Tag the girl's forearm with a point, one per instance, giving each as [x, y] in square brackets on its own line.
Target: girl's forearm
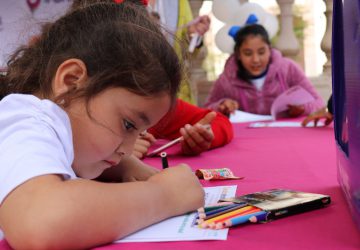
[66, 214]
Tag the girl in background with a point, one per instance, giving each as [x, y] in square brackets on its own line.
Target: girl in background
[255, 74]
[75, 102]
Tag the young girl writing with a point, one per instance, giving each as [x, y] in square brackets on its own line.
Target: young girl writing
[255, 75]
[75, 102]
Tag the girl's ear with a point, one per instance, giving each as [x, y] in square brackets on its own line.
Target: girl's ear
[70, 75]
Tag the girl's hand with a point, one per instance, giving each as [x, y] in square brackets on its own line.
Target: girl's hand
[228, 106]
[199, 25]
[197, 138]
[142, 145]
[318, 115]
[129, 169]
[181, 187]
[295, 110]
[136, 170]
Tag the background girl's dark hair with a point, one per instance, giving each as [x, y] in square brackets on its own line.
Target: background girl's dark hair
[241, 35]
[119, 44]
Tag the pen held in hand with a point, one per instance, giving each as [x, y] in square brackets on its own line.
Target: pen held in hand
[171, 143]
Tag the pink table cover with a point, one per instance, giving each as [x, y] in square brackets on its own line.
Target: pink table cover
[302, 159]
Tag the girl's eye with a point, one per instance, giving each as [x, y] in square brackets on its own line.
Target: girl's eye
[247, 53]
[128, 125]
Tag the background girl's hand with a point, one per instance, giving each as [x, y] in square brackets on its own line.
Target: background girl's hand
[181, 187]
[318, 115]
[199, 25]
[295, 110]
[142, 144]
[228, 106]
[197, 138]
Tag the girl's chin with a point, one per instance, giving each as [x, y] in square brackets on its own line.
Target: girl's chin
[94, 171]
[256, 72]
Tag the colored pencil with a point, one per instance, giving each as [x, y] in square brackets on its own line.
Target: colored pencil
[241, 219]
[171, 143]
[237, 211]
[208, 209]
[252, 210]
[258, 218]
[220, 211]
[219, 223]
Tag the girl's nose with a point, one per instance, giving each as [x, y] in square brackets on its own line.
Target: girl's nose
[126, 147]
[256, 58]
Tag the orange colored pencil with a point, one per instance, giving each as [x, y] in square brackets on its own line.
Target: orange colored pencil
[219, 224]
[252, 210]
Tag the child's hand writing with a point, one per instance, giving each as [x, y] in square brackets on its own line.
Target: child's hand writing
[197, 138]
[142, 144]
[228, 106]
[181, 187]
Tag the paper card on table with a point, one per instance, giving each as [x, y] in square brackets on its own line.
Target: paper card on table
[283, 124]
[293, 96]
[181, 228]
[241, 116]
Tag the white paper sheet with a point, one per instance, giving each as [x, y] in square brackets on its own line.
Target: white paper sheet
[282, 124]
[181, 228]
[240, 116]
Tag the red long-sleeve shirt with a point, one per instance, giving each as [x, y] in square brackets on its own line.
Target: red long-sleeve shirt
[185, 113]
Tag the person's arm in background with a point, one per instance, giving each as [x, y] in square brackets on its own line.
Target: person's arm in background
[186, 113]
[186, 120]
[325, 113]
[296, 76]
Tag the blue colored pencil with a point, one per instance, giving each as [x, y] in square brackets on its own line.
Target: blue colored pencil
[218, 211]
[258, 218]
[241, 219]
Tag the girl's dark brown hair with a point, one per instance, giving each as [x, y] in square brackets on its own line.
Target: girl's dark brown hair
[119, 44]
[76, 4]
[240, 37]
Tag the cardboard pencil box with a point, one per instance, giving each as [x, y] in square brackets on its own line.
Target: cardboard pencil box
[282, 202]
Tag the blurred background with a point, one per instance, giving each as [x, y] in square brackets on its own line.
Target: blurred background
[303, 34]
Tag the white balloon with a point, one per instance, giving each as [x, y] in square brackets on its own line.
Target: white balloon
[271, 24]
[224, 10]
[245, 10]
[223, 41]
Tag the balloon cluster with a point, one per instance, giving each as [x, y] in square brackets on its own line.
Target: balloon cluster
[233, 13]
